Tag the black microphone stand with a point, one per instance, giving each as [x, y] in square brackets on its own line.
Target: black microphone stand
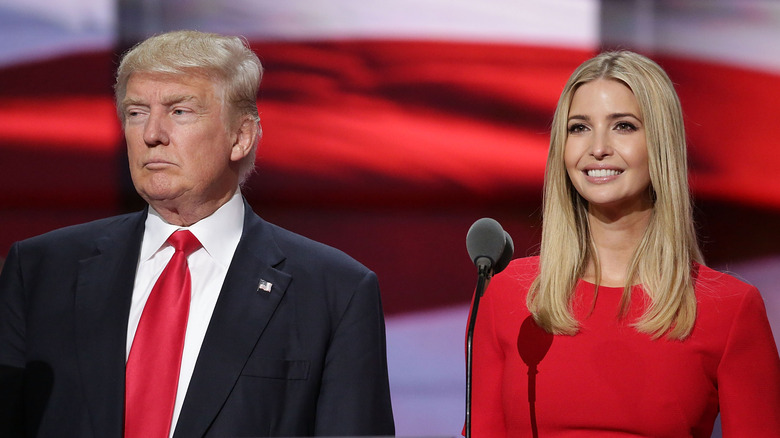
[485, 272]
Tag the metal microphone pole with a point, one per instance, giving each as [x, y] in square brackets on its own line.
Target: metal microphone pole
[484, 275]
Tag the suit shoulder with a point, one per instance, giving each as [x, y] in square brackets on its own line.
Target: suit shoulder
[305, 250]
[83, 233]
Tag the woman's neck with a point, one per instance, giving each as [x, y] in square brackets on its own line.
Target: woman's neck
[615, 239]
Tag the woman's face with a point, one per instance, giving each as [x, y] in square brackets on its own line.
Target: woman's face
[606, 148]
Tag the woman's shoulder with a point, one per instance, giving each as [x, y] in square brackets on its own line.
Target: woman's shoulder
[531, 263]
[526, 268]
[724, 298]
[711, 284]
[506, 293]
[517, 277]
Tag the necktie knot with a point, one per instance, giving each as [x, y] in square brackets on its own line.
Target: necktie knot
[185, 241]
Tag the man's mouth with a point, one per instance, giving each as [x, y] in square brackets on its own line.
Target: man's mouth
[157, 164]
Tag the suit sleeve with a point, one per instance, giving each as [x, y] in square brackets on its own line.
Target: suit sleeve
[749, 374]
[12, 356]
[355, 392]
[487, 414]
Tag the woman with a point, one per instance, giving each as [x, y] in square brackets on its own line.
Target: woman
[617, 328]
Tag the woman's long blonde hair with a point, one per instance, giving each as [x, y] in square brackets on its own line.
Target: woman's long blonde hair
[663, 259]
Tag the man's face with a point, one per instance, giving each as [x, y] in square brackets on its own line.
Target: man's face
[180, 150]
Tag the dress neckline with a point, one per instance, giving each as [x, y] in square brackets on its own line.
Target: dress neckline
[602, 287]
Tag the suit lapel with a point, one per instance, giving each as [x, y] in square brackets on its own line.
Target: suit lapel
[242, 312]
[102, 303]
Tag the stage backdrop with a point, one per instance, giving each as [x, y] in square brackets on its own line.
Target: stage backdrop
[389, 127]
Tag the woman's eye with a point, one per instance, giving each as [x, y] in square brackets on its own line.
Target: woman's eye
[576, 128]
[625, 126]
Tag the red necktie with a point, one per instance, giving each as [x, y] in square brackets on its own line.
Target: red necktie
[152, 372]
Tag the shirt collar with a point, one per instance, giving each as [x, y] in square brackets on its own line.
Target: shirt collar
[219, 233]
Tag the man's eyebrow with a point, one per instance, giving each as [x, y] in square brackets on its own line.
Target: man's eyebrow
[179, 98]
[167, 101]
[129, 101]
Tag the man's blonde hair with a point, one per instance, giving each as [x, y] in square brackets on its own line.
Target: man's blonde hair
[227, 60]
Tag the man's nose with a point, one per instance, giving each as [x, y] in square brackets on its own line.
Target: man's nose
[155, 130]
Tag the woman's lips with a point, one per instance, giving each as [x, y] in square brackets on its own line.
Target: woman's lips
[601, 175]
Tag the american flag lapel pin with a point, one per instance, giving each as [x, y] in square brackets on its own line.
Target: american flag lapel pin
[264, 285]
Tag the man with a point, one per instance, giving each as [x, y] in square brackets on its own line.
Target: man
[278, 335]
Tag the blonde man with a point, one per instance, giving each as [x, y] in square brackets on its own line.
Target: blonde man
[193, 317]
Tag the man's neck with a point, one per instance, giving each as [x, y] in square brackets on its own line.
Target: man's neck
[185, 214]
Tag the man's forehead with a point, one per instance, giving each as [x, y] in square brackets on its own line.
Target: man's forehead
[170, 87]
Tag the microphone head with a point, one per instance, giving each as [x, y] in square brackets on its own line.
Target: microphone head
[485, 242]
[506, 255]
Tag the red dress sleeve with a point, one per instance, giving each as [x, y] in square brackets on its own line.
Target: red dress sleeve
[749, 374]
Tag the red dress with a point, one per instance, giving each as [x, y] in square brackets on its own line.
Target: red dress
[610, 380]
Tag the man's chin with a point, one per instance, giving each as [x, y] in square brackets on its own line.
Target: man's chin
[161, 197]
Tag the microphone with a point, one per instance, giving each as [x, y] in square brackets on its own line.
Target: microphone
[489, 246]
[506, 256]
[491, 249]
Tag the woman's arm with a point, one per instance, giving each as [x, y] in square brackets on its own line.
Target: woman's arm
[749, 374]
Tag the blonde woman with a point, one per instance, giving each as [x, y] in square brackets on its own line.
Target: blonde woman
[618, 328]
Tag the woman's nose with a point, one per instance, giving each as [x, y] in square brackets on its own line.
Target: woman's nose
[600, 146]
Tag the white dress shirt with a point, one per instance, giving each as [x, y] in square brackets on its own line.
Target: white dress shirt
[219, 234]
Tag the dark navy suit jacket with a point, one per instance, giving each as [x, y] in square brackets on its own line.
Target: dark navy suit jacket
[306, 358]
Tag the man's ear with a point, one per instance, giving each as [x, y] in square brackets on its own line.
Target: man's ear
[244, 138]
